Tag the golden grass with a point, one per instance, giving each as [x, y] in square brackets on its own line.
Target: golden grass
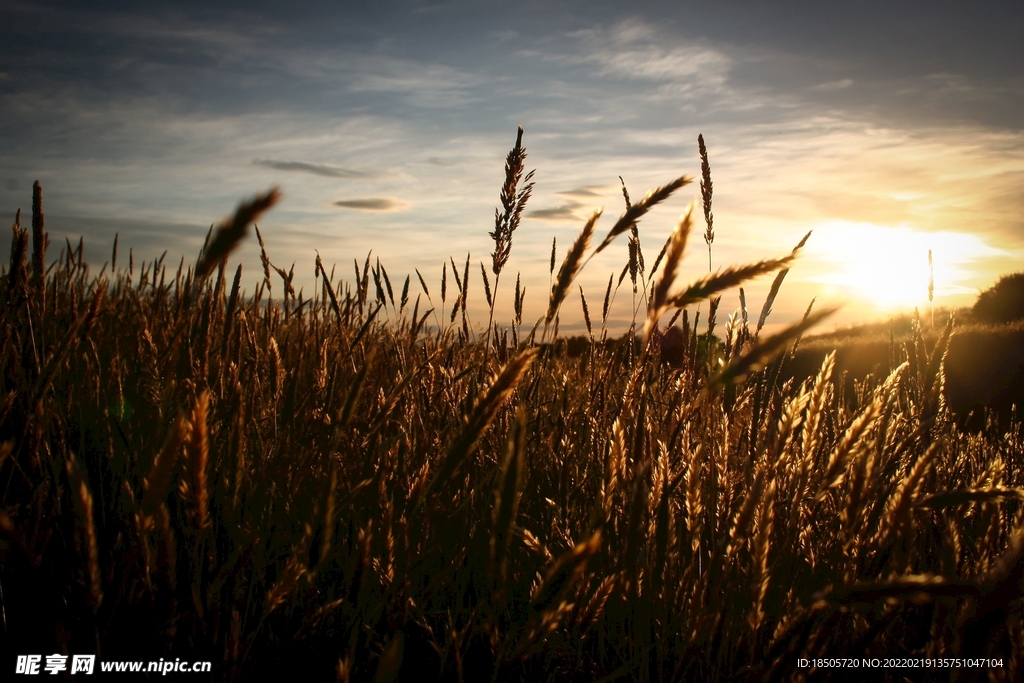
[301, 488]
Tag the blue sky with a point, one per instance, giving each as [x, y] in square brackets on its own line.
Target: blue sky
[887, 129]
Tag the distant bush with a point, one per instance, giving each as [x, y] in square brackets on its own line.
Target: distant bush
[1002, 302]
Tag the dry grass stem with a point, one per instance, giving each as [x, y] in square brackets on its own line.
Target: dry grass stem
[332, 487]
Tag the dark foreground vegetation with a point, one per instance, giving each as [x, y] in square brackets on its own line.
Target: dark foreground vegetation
[296, 489]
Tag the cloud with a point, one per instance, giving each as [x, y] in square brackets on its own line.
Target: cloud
[503, 36]
[949, 83]
[572, 210]
[834, 85]
[372, 204]
[325, 170]
[423, 84]
[584, 192]
[565, 212]
[634, 50]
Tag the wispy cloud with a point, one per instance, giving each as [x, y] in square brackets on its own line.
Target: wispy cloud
[832, 86]
[588, 192]
[565, 212]
[578, 203]
[424, 84]
[325, 170]
[504, 36]
[373, 204]
[636, 51]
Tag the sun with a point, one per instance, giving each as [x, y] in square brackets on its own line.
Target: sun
[887, 267]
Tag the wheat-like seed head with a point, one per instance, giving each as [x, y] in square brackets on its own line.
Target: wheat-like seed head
[289, 578]
[197, 449]
[676, 249]
[570, 267]
[760, 551]
[83, 503]
[754, 357]
[158, 482]
[851, 443]
[231, 232]
[636, 211]
[568, 567]
[40, 240]
[594, 610]
[275, 370]
[89, 534]
[586, 313]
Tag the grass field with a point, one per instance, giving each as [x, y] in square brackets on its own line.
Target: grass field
[293, 488]
[984, 366]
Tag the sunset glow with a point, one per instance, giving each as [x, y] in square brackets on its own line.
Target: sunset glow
[387, 131]
[887, 267]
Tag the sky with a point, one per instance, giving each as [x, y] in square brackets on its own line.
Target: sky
[887, 129]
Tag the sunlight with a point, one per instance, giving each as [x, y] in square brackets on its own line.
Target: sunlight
[887, 266]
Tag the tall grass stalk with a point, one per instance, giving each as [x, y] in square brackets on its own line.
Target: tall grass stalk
[326, 489]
